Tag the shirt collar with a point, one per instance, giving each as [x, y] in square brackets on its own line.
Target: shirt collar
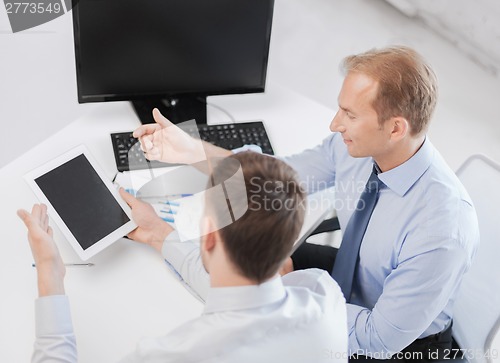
[244, 297]
[401, 178]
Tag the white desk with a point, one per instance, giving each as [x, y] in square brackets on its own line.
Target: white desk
[129, 293]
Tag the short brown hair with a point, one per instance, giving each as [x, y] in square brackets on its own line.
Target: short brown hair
[262, 238]
[407, 85]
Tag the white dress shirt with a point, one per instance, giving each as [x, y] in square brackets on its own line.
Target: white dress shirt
[298, 318]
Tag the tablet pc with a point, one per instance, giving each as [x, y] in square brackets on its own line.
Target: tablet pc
[82, 202]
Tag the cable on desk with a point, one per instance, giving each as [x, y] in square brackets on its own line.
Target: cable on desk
[217, 107]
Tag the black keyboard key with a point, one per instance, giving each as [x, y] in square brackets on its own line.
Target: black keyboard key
[129, 156]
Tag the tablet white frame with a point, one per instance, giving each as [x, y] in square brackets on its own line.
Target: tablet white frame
[105, 241]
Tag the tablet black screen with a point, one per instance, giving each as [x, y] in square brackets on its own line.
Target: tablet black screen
[83, 202]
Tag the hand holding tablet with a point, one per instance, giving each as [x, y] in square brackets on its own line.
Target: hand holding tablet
[82, 202]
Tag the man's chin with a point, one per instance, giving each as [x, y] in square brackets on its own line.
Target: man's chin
[354, 153]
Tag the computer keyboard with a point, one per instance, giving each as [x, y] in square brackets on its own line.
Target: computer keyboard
[129, 156]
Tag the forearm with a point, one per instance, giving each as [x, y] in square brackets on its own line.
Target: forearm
[55, 340]
[364, 333]
[211, 152]
[185, 258]
[160, 234]
[50, 281]
[415, 294]
[315, 167]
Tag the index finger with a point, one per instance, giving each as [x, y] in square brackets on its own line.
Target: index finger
[127, 197]
[146, 130]
[37, 213]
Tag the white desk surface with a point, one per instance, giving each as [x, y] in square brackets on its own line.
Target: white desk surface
[129, 293]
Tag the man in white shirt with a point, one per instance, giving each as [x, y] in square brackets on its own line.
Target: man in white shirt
[251, 314]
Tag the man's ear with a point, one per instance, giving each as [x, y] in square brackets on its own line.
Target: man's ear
[400, 127]
[210, 238]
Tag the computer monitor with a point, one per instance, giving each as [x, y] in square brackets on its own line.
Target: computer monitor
[170, 54]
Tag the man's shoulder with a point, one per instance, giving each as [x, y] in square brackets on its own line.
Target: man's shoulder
[314, 281]
[442, 184]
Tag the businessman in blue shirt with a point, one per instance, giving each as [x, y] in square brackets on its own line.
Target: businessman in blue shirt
[421, 235]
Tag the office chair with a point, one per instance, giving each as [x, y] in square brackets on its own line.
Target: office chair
[476, 321]
[328, 225]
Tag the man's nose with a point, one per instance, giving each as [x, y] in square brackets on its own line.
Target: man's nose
[336, 125]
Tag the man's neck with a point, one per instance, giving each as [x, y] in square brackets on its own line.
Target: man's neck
[232, 279]
[400, 154]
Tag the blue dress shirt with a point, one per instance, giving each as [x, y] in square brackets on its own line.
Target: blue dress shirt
[419, 242]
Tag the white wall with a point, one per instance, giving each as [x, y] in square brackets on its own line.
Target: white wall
[38, 82]
[473, 25]
[311, 37]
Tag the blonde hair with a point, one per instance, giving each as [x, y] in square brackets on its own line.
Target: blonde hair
[407, 85]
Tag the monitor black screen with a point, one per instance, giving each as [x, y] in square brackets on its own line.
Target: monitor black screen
[139, 49]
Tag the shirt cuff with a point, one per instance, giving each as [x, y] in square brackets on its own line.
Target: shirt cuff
[53, 317]
[251, 147]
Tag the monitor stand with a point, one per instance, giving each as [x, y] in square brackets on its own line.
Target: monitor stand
[176, 109]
